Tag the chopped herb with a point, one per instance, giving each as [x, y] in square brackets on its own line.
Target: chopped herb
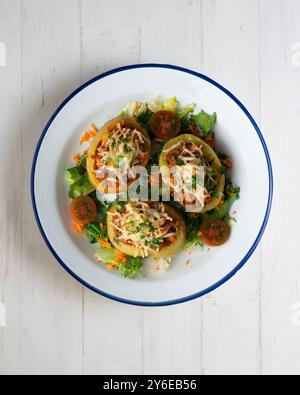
[151, 229]
[157, 242]
[179, 161]
[213, 172]
[116, 143]
[145, 116]
[119, 160]
[128, 149]
[223, 170]
[194, 182]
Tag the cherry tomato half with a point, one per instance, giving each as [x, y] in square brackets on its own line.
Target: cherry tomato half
[83, 210]
[214, 232]
[165, 125]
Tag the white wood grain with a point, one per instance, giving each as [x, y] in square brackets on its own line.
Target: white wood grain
[231, 320]
[281, 119]
[11, 191]
[171, 32]
[51, 301]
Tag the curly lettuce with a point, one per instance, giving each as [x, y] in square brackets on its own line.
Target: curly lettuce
[129, 270]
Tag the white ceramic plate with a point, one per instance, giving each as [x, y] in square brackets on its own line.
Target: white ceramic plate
[100, 100]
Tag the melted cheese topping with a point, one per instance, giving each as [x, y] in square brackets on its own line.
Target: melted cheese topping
[145, 226]
[122, 150]
[188, 168]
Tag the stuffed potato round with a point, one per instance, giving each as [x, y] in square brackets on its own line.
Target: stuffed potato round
[143, 229]
[122, 144]
[188, 150]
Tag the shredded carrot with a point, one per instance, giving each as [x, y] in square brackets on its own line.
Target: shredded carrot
[78, 227]
[110, 266]
[105, 243]
[87, 136]
[76, 158]
[120, 258]
[101, 226]
[94, 129]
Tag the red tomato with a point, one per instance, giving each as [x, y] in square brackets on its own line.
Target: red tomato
[83, 210]
[165, 125]
[214, 232]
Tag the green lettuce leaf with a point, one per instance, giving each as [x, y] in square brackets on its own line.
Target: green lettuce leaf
[81, 187]
[185, 115]
[231, 195]
[107, 255]
[132, 268]
[93, 232]
[145, 116]
[75, 173]
[205, 121]
[192, 234]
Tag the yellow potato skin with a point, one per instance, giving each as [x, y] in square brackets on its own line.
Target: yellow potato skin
[165, 252]
[209, 154]
[104, 135]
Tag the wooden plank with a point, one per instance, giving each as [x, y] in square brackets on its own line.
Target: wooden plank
[231, 318]
[112, 332]
[110, 35]
[10, 198]
[172, 340]
[171, 33]
[281, 116]
[51, 300]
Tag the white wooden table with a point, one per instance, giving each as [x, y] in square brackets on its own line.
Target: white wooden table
[52, 325]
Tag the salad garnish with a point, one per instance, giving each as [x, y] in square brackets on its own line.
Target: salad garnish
[194, 193]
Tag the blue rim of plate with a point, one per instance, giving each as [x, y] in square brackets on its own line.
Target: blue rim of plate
[251, 250]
